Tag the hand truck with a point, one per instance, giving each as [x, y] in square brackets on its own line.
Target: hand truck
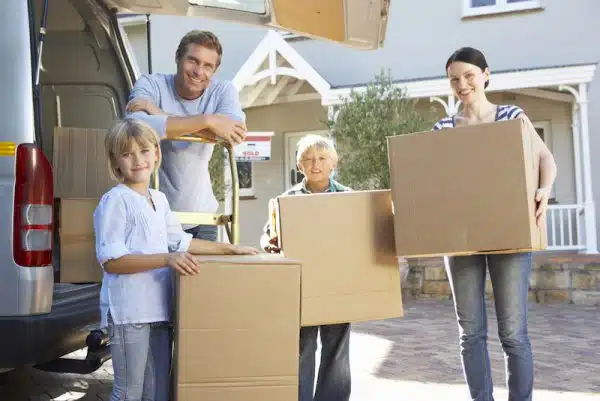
[231, 221]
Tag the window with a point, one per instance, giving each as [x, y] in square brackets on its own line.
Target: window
[245, 180]
[482, 7]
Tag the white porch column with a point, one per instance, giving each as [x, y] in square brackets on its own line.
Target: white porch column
[590, 209]
[577, 153]
[447, 108]
[580, 95]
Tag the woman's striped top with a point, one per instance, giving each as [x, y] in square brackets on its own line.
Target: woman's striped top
[503, 112]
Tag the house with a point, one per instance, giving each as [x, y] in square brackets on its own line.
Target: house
[541, 53]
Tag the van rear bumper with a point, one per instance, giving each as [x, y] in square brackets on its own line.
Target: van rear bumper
[32, 340]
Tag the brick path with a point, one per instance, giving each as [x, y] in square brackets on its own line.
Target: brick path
[414, 358]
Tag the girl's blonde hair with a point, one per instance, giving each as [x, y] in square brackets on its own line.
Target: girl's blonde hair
[118, 140]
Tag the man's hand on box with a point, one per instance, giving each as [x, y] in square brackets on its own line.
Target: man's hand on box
[144, 105]
[231, 131]
[541, 197]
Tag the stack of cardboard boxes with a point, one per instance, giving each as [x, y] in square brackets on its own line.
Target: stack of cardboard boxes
[465, 191]
[80, 169]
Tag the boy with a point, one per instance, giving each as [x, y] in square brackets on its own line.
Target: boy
[316, 158]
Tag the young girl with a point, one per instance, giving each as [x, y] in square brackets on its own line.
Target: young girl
[139, 243]
[469, 75]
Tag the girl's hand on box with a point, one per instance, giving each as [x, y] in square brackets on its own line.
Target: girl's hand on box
[541, 197]
[184, 263]
[242, 250]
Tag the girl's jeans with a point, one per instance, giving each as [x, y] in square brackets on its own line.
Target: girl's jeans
[141, 356]
[509, 274]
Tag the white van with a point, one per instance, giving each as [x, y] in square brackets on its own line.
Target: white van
[84, 81]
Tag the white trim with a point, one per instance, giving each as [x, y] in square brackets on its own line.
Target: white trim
[501, 6]
[544, 94]
[501, 81]
[269, 46]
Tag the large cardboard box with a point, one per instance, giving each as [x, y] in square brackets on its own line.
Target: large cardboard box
[78, 263]
[237, 331]
[345, 241]
[465, 190]
[80, 163]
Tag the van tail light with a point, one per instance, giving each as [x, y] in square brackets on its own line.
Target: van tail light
[33, 214]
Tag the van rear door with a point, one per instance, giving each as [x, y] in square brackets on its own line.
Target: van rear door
[357, 23]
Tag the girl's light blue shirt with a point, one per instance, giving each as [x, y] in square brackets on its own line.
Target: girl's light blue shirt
[126, 224]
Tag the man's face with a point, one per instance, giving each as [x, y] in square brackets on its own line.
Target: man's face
[196, 68]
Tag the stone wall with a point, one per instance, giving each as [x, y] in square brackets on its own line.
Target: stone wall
[560, 280]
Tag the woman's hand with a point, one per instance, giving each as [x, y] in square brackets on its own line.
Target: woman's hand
[541, 197]
[184, 263]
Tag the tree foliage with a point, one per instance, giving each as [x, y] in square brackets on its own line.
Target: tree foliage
[216, 169]
[364, 121]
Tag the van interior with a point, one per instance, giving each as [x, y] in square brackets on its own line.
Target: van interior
[82, 80]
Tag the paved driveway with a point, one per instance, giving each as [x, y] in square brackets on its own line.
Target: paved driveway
[414, 358]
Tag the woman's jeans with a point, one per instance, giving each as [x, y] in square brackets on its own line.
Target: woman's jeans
[509, 274]
[141, 356]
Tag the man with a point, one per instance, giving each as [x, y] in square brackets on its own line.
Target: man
[190, 102]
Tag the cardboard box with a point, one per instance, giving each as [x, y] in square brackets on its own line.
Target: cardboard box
[80, 163]
[465, 190]
[78, 263]
[237, 332]
[345, 241]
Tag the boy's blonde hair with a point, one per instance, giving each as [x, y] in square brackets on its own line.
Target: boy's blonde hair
[118, 140]
[319, 142]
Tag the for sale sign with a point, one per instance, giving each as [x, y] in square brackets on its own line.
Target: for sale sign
[257, 146]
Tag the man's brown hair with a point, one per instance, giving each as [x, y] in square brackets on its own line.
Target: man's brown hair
[202, 38]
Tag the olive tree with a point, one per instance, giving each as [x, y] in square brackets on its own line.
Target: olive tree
[364, 121]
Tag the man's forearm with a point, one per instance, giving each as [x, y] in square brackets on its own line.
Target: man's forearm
[179, 126]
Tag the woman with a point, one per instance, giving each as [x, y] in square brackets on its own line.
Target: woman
[469, 75]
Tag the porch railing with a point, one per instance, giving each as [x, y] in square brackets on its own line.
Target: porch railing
[565, 227]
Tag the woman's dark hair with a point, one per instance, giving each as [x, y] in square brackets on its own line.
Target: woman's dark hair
[471, 56]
